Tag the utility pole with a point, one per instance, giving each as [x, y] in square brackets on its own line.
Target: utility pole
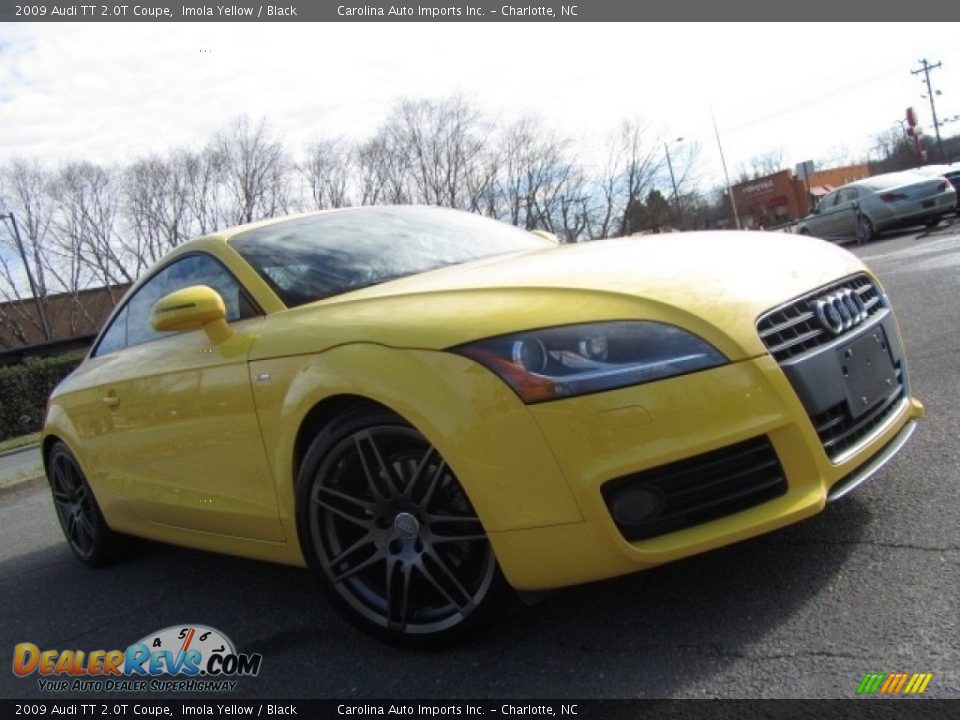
[925, 68]
[726, 175]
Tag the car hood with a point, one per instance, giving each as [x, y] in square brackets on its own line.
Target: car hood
[713, 283]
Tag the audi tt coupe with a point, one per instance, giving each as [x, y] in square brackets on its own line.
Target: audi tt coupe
[432, 410]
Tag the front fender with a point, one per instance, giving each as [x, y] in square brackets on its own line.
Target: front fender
[485, 433]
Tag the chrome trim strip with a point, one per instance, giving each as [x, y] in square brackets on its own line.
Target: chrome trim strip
[868, 469]
[877, 431]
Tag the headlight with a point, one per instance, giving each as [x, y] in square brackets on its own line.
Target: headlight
[573, 360]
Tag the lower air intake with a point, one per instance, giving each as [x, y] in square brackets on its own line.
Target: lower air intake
[695, 490]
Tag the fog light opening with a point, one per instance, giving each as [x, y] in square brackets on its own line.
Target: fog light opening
[637, 505]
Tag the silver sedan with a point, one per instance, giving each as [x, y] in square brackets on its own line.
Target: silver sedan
[864, 208]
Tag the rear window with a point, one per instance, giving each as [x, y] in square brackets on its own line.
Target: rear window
[885, 182]
[315, 257]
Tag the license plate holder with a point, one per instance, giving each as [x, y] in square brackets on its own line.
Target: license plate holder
[868, 371]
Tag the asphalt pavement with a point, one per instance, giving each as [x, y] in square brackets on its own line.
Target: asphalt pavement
[870, 585]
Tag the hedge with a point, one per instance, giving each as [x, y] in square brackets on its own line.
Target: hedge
[24, 390]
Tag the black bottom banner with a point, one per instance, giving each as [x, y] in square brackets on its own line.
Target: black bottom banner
[867, 709]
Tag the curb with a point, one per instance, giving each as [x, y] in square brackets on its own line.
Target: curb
[22, 448]
[19, 486]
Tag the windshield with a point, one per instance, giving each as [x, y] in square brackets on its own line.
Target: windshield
[314, 257]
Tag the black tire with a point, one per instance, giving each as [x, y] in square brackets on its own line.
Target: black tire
[387, 527]
[865, 230]
[933, 222]
[803, 231]
[83, 525]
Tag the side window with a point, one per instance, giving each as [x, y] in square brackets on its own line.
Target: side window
[115, 338]
[132, 325]
[828, 201]
[191, 270]
[846, 195]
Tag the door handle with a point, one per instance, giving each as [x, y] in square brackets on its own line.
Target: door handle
[110, 400]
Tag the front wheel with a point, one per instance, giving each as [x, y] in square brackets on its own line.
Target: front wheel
[387, 526]
[933, 222]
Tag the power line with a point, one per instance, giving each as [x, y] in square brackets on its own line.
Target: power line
[806, 102]
[925, 68]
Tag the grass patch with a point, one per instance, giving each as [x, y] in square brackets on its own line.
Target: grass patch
[19, 442]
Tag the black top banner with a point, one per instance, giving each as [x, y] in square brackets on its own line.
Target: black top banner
[454, 11]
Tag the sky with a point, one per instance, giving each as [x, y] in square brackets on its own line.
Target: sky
[112, 92]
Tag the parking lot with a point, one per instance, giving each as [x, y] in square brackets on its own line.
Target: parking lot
[871, 585]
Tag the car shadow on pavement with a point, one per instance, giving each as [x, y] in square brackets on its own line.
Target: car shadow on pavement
[644, 635]
[947, 227]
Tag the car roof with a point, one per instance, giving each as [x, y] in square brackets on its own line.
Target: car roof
[888, 180]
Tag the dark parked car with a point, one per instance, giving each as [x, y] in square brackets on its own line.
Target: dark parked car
[950, 172]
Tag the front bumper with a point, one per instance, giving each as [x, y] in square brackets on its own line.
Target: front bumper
[609, 435]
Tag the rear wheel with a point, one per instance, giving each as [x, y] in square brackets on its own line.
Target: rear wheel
[387, 526]
[865, 230]
[83, 525]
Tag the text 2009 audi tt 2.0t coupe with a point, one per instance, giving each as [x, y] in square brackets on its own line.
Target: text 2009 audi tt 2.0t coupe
[429, 408]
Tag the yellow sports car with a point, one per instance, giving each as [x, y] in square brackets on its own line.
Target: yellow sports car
[429, 408]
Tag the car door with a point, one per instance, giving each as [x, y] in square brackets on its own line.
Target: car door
[182, 443]
[821, 222]
[845, 212]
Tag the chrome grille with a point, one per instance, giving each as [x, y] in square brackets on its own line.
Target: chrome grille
[794, 328]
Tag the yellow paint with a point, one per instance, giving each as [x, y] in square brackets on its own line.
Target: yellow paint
[197, 445]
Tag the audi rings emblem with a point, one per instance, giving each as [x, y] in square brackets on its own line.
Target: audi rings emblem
[839, 311]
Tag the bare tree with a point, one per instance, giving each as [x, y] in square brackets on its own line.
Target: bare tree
[256, 171]
[88, 225]
[89, 202]
[25, 288]
[537, 173]
[204, 176]
[155, 208]
[633, 163]
[893, 151]
[761, 165]
[327, 171]
[443, 146]
[383, 171]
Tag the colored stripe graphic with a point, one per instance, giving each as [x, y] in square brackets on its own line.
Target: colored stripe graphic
[870, 683]
[894, 683]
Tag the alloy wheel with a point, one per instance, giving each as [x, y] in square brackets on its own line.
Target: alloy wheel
[396, 535]
[74, 504]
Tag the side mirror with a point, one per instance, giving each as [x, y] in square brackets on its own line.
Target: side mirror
[192, 308]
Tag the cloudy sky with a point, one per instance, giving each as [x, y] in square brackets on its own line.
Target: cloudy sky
[109, 92]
